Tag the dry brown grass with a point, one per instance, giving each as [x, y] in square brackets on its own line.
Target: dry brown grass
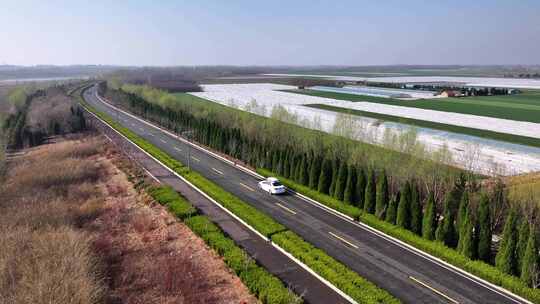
[53, 265]
[44, 257]
[74, 230]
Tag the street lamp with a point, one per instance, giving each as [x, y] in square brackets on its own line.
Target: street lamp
[188, 134]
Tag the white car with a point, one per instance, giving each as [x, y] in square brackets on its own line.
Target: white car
[272, 186]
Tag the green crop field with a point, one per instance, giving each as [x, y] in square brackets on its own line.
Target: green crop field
[522, 107]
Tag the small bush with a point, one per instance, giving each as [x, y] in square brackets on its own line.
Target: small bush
[345, 279]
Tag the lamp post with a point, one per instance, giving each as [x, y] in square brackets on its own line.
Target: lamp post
[187, 134]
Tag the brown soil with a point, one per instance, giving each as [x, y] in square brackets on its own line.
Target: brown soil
[151, 257]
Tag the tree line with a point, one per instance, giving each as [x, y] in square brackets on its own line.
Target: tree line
[463, 218]
[40, 114]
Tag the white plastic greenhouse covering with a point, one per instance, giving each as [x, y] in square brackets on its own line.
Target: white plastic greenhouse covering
[513, 158]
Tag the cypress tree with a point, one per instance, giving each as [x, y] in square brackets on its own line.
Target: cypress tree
[303, 177]
[484, 230]
[335, 169]
[281, 162]
[275, 161]
[382, 195]
[467, 240]
[326, 175]
[403, 212]
[286, 165]
[350, 187]
[297, 167]
[416, 210]
[360, 188]
[391, 213]
[446, 232]
[369, 197]
[530, 260]
[522, 243]
[506, 260]
[292, 166]
[462, 210]
[429, 223]
[341, 181]
[314, 173]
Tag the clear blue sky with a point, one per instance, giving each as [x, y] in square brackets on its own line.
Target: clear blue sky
[202, 32]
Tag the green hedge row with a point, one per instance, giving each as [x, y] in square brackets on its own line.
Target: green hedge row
[342, 277]
[260, 282]
[176, 204]
[358, 288]
[478, 268]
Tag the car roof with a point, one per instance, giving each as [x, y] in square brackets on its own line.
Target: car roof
[272, 179]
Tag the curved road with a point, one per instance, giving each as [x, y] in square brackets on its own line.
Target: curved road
[409, 276]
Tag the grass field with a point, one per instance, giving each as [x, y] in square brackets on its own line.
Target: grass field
[522, 107]
[528, 141]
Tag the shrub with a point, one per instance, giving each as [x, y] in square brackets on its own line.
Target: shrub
[345, 279]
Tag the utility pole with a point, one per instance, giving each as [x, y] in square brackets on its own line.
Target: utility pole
[187, 134]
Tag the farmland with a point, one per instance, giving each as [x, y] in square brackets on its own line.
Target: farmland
[262, 99]
[522, 107]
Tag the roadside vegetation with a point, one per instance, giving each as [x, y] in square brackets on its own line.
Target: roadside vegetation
[37, 115]
[355, 286]
[74, 230]
[44, 257]
[448, 212]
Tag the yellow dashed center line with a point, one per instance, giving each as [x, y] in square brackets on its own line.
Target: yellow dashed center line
[285, 208]
[217, 171]
[247, 187]
[433, 289]
[343, 240]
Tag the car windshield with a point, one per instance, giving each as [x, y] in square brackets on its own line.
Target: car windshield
[276, 183]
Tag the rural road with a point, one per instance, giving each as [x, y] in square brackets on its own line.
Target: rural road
[409, 276]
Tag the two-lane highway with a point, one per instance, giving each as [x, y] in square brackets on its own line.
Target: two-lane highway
[411, 277]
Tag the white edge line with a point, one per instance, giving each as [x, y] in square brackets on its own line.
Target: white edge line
[145, 170]
[290, 256]
[495, 288]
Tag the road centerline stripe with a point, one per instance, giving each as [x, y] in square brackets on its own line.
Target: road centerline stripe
[195, 159]
[433, 289]
[178, 149]
[163, 140]
[247, 187]
[343, 240]
[217, 171]
[287, 209]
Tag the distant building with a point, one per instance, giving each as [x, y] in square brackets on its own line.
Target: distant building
[451, 93]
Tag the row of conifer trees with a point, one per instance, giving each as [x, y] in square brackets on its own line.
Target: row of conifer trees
[461, 225]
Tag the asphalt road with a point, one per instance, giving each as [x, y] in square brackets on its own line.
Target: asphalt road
[409, 276]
